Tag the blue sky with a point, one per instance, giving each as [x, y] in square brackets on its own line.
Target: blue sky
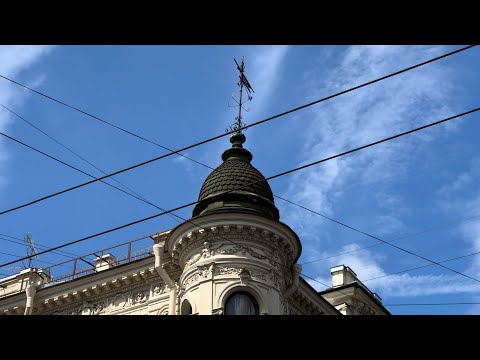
[178, 95]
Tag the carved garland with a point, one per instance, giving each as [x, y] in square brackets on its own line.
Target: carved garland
[239, 232]
[208, 250]
[204, 271]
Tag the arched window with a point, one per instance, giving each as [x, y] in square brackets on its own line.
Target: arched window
[241, 303]
[186, 308]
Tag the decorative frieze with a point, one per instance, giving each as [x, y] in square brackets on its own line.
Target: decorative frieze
[191, 279]
[208, 237]
[110, 304]
[226, 249]
[160, 289]
[242, 272]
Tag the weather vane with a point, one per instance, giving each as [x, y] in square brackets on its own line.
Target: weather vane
[242, 83]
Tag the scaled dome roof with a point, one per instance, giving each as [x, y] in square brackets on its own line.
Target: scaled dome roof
[236, 185]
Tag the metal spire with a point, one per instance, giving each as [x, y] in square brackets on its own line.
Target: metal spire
[242, 83]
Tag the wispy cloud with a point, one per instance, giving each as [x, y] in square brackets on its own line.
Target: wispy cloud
[187, 164]
[14, 60]
[461, 195]
[363, 116]
[398, 104]
[367, 266]
[262, 65]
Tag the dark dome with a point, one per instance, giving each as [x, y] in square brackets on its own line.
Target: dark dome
[236, 172]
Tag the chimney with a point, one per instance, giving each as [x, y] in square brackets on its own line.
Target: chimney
[105, 262]
[342, 275]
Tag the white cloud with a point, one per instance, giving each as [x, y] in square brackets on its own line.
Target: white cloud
[459, 183]
[471, 233]
[14, 60]
[366, 115]
[367, 266]
[266, 62]
[388, 224]
[186, 163]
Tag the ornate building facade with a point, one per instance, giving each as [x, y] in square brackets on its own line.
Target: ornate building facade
[234, 256]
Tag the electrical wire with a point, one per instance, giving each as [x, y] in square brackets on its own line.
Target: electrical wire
[39, 246]
[130, 191]
[253, 124]
[395, 239]
[250, 184]
[139, 197]
[186, 220]
[421, 267]
[21, 242]
[146, 201]
[317, 163]
[212, 138]
[269, 178]
[387, 243]
[390, 244]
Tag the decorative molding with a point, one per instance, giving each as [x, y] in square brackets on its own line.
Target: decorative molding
[206, 271]
[226, 249]
[160, 289]
[242, 272]
[234, 232]
[190, 280]
[225, 270]
[360, 308]
[277, 280]
[202, 272]
[110, 304]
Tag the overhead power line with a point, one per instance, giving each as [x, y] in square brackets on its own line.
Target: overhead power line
[271, 177]
[250, 184]
[282, 175]
[39, 246]
[387, 242]
[215, 137]
[186, 220]
[138, 197]
[392, 245]
[21, 259]
[421, 267]
[61, 144]
[245, 127]
[395, 239]
[130, 191]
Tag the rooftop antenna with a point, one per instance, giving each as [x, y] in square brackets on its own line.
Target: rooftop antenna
[242, 83]
[31, 251]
